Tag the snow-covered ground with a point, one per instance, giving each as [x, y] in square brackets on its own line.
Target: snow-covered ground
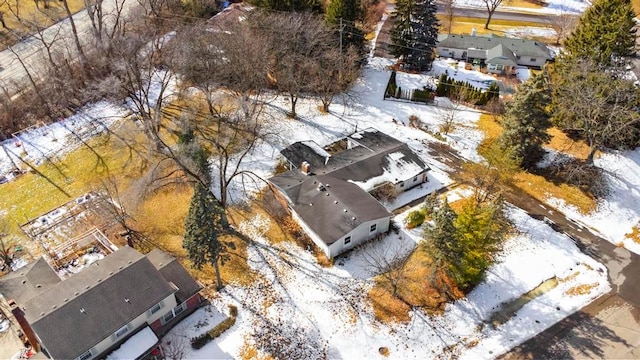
[329, 306]
[550, 7]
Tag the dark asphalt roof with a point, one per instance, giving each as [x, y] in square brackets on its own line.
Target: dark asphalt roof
[175, 273]
[500, 54]
[28, 282]
[369, 155]
[333, 207]
[520, 47]
[79, 312]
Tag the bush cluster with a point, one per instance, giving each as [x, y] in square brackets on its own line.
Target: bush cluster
[464, 91]
[202, 339]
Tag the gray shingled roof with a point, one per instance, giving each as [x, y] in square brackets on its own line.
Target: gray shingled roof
[368, 158]
[175, 273]
[520, 47]
[501, 55]
[102, 290]
[333, 207]
[28, 282]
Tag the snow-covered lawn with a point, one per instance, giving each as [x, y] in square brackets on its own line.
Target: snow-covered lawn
[551, 7]
[329, 306]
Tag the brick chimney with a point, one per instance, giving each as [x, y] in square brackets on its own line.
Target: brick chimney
[305, 167]
[24, 325]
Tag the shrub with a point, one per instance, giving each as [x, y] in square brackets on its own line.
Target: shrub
[424, 95]
[415, 218]
[202, 339]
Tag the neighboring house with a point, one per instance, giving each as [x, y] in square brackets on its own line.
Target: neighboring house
[122, 298]
[499, 54]
[328, 194]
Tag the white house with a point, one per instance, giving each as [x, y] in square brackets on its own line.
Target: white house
[328, 194]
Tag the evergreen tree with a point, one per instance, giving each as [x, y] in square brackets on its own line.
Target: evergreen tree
[401, 36]
[344, 14]
[481, 230]
[527, 120]
[605, 34]
[415, 32]
[424, 31]
[441, 238]
[205, 226]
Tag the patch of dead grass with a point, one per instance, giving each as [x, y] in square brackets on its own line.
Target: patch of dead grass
[562, 143]
[536, 185]
[582, 289]
[387, 308]
[634, 234]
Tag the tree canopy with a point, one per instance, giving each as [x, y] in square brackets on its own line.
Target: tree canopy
[415, 33]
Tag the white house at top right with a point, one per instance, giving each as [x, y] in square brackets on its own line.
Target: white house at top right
[498, 54]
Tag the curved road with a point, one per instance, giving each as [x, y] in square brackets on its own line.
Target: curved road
[609, 327]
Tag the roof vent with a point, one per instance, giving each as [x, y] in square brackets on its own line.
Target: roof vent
[327, 194]
[110, 272]
[76, 293]
[345, 210]
[305, 167]
[82, 310]
[66, 299]
[42, 314]
[335, 202]
[54, 307]
[86, 287]
[310, 204]
[99, 279]
[24, 281]
[353, 218]
[38, 286]
[127, 300]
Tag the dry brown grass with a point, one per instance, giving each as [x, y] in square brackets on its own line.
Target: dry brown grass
[28, 11]
[636, 6]
[634, 234]
[464, 25]
[536, 185]
[562, 143]
[570, 277]
[415, 290]
[582, 289]
[249, 352]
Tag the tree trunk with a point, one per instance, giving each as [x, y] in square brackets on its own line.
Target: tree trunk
[592, 154]
[74, 30]
[486, 25]
[294, 100]
[219, 285]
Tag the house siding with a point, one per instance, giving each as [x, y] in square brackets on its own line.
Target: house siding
[192, 303]
[109, 344]
[410, 183]
[359, 236]
[451, 52]
[522, 60]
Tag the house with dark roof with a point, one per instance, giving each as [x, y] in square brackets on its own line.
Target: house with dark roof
[90, 314]
[498, 53]
[329, 194]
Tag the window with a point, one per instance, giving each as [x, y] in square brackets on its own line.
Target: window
[499, 67]
[86, 356]
[347, 240]
[415, 178]
[123, 330]
[155, 308]
[533, 59]
[401, 184]
[373, 227]
[173, 313]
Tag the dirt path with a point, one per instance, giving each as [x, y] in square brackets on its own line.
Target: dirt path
[608, 327]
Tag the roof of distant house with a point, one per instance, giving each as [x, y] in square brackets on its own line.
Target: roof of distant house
[520, 47]
[73, 315]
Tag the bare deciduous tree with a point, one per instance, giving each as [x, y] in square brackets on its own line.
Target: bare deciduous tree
[491, 6]
[389, 263]
[449, 12]
[449, 114]
[562, 24]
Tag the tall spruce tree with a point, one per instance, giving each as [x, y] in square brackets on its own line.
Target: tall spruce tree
[527, 120]
[205, 226]
[605, 34]
[424, 30]
[440, 238]
[415, 33]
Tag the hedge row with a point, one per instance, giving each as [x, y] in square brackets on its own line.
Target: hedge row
[225, 325]
[463, 90]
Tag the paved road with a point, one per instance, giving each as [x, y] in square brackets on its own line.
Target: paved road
[607, 328]
[31, 49]
[542, 19]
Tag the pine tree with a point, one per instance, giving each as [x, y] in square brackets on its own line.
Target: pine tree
[480, 232]
[605, 34]
[344, 15]
[205, 226]
[527, 120]
[424, 31]
[441, 239]
[401, 36]
[415, 33]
